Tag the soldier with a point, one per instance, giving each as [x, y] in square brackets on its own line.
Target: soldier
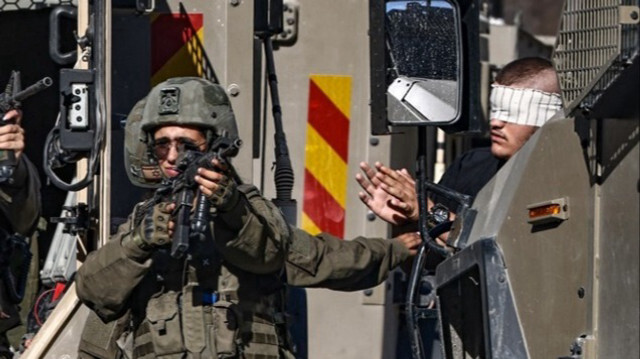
[19, 213]
[225, 299]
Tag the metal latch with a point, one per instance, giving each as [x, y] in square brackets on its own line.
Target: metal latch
[629, 14]
[76, 219]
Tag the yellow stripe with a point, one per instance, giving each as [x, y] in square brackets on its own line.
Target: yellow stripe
[185, 62]
[326, 166]
[309, 226]
[338, 89]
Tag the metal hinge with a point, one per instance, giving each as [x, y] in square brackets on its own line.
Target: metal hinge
[289, 33]
[629, 14]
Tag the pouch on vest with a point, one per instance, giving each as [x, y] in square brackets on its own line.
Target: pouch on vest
[98, 339]
[225, 329]
[193, 323]
[264, 342]
[163, 317]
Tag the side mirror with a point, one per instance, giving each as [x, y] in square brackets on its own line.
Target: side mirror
[425, 51]
[424, 47]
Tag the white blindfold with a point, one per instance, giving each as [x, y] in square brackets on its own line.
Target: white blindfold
[523, 106]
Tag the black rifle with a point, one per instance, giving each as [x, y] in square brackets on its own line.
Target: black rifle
[184, 189]
[10, 100]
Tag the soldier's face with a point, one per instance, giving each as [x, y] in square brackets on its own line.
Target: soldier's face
[507, 137]
[170, 140]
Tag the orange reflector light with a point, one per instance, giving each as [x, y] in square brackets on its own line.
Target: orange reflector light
[546, 210]
[549, 211]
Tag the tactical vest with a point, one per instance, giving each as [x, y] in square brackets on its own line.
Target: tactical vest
[207, 309]
[183, 309]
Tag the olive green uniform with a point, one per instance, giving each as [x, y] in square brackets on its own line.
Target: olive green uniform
[326, 261]
[19, 213]
[20, 199]
[173, 310]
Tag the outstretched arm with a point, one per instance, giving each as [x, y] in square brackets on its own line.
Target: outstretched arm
[326, 261]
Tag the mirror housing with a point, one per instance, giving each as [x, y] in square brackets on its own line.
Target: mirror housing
[396, 107]
[423, 40]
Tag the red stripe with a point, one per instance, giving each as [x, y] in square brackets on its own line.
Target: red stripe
[328, 120]
[169, 33]
[323, 210]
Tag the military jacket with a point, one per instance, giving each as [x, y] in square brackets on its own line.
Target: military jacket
[19, 213]
[20, 199]
[226, 300]
[326, 261]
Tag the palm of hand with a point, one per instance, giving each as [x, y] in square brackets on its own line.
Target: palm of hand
[381, 203]
[377, 196]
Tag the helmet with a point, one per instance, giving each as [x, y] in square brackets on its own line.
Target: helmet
[182, 101]
[189, 101]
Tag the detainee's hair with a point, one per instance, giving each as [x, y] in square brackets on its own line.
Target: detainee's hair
[522, 70]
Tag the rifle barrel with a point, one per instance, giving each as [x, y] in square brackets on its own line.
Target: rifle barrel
[33, 89]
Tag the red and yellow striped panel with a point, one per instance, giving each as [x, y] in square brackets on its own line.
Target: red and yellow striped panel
[327, 153]
[176, 46]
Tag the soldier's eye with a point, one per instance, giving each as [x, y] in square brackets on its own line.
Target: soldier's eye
[162, 146]
[187, 145]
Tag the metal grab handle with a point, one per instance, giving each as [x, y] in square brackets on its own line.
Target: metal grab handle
[58, 57]
[146, 7]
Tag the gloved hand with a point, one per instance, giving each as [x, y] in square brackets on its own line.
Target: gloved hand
[226, 194]
[218, 185]
[153, 230]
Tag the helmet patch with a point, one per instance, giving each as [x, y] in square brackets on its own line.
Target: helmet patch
[169, 101]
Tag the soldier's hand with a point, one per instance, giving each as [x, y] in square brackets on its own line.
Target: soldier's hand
[411, 240]
[218, 186]
[12, 135]
[156, 228]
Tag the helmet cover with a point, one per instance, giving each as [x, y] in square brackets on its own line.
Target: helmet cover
[181, 101]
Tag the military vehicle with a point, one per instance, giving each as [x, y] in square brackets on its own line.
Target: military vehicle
[546, 260]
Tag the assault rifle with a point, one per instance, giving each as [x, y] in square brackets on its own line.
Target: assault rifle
[184, 189]
[10, 100]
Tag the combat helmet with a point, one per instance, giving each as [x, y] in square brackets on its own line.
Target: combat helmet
[183, 101]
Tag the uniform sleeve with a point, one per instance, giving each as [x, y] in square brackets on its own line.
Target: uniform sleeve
[329, 262]
[109, 275]
[20, 199]
[253, 235]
